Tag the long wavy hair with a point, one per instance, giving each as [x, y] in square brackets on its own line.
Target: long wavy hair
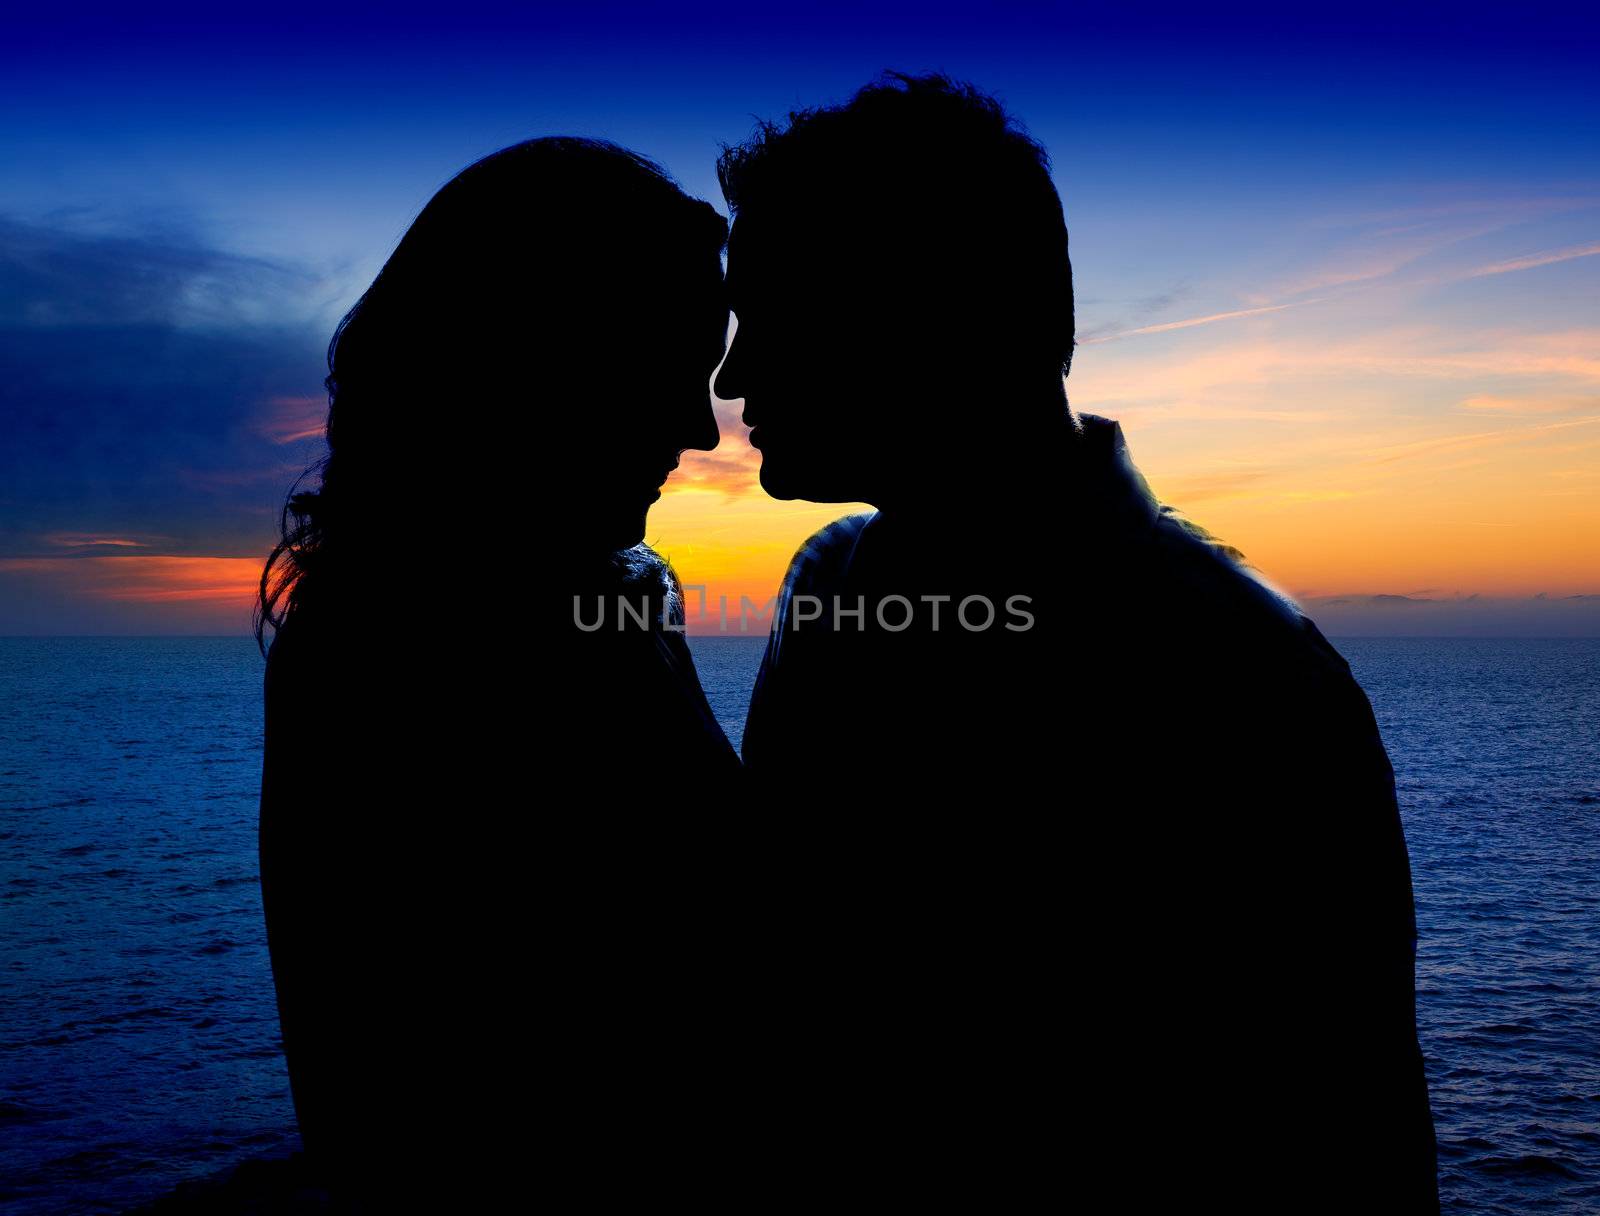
[500, 283]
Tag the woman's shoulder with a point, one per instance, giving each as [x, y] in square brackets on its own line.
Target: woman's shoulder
[286, 657]
[636, 585]
[301, 644]
[643, 571]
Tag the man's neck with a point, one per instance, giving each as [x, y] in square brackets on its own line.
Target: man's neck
[1025, 469]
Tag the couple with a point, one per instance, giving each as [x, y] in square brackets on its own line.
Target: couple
[1063, 860]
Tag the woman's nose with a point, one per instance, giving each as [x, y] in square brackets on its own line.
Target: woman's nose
[700, 430]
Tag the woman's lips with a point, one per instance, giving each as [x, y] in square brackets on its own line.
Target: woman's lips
[661, 480]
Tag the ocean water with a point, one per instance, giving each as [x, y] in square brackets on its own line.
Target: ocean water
[138, 1035]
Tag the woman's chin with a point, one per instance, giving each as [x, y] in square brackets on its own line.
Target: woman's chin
[631, 531]
[621, 527]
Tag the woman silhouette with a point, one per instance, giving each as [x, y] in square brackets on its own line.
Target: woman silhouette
[486, 865]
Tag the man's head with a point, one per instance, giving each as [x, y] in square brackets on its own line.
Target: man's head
[899, 270]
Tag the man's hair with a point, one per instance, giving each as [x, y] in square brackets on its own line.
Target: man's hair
[942, 185]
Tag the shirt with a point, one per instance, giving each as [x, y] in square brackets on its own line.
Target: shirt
[1123, 892]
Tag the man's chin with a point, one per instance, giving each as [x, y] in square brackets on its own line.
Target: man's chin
[783, 481]
[786, 486]
[777, 486]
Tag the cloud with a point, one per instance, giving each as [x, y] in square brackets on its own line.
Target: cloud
[291, 419]
[1374, 254]
[1165, 299]
[1089, 333]
[1494, 403]
[151, 386]
[1402, 451]
[733, 473]
[1190, 322]
[1361, 268]
[146, 275]
[76, 541]
[1208, 487]
[1372, 249]
[149, 580]
[1391, 615]
[733, 469]
[127, 594]
[1301, 377]
[1513, 209]
[1529, 261]
[1376, 601]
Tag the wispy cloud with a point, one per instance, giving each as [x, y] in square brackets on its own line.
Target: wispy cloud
[1298, 376]
[1354, 279]
[1537, 403]
[1402, 451]
[1208, 487]
[294, 418]
[734, 470]
[1191, 322]
[1460, 615]
[1568, 355]
[1362, 268]
[152, 384]
[1377, 253]
[147, 580]
[1528, 262]
[83, 540]
[1511, 209]
[1373, 249]
[147, 273]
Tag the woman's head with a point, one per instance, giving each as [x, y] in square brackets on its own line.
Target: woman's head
[523, 372]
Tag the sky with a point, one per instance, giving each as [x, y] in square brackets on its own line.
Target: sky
[1337, 272]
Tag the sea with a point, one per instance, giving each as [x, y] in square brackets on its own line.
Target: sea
[139, 1041]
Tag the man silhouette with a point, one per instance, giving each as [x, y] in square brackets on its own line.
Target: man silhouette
[1089, 852]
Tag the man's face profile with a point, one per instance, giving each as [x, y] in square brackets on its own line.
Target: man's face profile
[806, 360]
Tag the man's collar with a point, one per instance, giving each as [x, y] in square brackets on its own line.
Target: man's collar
[1094, 496]
[1108, 490]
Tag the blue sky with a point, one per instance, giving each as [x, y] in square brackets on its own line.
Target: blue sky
[189, 198]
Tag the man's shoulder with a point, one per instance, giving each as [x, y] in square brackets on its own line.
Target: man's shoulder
[1216, 598]
[1203, 591]
[817, 569]
[1193, 562]
[825, 555]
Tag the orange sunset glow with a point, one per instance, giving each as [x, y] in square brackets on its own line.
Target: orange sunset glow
[1384, 389]
[1353, 445]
